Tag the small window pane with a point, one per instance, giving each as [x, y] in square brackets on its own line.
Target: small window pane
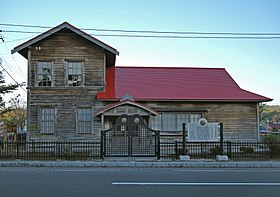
[169, 121]
[194, 118]
[155, 122]
[84, 120]
[47, 120]
[44, 73]
[182, 118]
[74, 74]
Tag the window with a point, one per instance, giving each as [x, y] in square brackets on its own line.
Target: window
[74, 75]
[47, 120]
[182, 118]
[44, 73]
[84, 120]
[173, 121]
[195, 118]
[155, 122]
[169, 121]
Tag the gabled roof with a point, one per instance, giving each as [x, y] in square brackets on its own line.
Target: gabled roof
[186, 84]
[58, 28]
[126, 102]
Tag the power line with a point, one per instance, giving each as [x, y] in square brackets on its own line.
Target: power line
[18, 39]
[13, 57]
[20, 25]
[12, 78]
[153, 31]
[1, 38]
[190, 37]
[223, 35]
[7, 62]
[17, 70]
[265, 36]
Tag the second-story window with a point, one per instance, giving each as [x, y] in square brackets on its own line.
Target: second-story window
[74, 74]
[44, 73]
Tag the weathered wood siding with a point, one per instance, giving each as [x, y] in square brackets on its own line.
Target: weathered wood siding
[61, 48]
[240, 119]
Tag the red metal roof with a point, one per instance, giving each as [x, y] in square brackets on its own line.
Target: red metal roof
[169, 83]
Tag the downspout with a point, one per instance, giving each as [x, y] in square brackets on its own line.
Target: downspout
[104, 71]
[28, 92]
[258, 121]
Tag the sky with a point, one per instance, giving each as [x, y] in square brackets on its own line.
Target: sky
[253, 63]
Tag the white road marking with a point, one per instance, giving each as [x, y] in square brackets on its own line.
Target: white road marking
[67, 170]
[194, 184]
[227, 170]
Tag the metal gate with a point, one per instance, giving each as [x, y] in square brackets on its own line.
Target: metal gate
[130, 137]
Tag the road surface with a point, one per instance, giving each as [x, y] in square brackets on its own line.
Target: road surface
[52, 182]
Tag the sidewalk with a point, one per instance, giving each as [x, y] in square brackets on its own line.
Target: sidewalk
[143, 164]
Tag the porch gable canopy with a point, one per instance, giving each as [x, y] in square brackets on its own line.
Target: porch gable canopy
[125, 103]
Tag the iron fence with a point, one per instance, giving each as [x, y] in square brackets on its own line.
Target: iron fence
[50, 150]
[87, 150]
[247, 150]
[207, 150]
[253, 150]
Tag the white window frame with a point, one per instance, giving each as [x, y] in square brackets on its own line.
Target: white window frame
[84, 123]
[76, 78]
[47, 120]
[169, 121]
[182, 118]
[43, 73]
[155, 122]
[172, 121]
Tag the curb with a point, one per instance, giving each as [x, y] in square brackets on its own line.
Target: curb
[145, 164]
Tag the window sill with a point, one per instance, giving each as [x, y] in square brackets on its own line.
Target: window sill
[63, 87]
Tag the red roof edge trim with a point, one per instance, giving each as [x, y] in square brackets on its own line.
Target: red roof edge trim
[263, 98]
[110, 84]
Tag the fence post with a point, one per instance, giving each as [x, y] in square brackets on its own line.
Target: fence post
[158, 145]
[221, 138]
[176, 149]
[17, 150]
[184, 138]
[101, 145]
[229, 148]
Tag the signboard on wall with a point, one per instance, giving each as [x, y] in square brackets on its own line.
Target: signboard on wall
[203, 131]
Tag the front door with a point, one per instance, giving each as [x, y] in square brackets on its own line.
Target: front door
[130, 137]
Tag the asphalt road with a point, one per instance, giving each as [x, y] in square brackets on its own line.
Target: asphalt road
[29, 182]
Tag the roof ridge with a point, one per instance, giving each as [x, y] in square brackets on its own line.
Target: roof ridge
[169, 67]
[58, 28]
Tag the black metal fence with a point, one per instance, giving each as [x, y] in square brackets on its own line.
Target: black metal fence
[73, 150]
[88, 150]
[247, 150]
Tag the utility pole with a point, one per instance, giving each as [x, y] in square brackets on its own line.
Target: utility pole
[1, 37]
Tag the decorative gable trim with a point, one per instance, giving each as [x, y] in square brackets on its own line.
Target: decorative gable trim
[60, 27]
[126, 102]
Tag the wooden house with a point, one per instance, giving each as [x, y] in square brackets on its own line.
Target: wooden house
[75, 91]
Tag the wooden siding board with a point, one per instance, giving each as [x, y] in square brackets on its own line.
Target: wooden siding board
[240, 119]
[61, 48]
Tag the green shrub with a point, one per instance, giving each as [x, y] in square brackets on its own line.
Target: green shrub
[246, 149]
[215, 150]
[180, 151]
[273, 143]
